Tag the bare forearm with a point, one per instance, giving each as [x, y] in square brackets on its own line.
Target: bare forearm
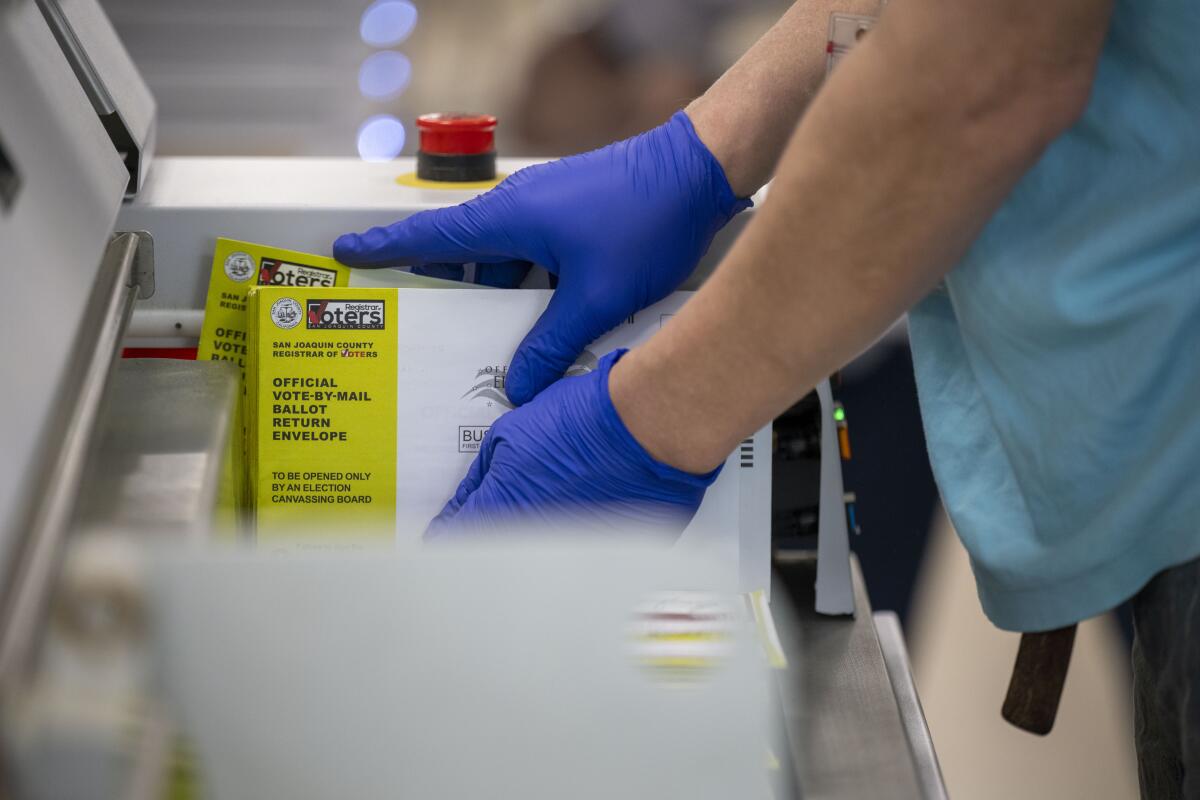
[748, 115]
[900, 161]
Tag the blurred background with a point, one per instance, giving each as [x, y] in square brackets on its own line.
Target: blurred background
[340, 77]
[348, 77]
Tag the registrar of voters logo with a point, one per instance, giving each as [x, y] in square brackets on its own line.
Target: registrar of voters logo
[286, 313]
[274, 272]
[344, 315]
[239, 266]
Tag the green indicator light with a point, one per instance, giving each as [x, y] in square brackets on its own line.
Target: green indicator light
[839, 414]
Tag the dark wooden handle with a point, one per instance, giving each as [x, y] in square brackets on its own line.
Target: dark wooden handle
[1038, 678]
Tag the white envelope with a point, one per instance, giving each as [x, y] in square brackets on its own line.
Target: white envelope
[453, 347]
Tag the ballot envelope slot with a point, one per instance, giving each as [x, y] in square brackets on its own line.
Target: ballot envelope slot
[10, 180]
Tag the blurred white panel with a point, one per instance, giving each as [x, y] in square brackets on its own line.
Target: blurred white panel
[463, 673]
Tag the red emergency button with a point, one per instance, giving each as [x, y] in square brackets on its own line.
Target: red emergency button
[457, 134]
[457, 148]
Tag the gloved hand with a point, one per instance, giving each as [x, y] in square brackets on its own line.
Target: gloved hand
[568, 457]
[621, 227]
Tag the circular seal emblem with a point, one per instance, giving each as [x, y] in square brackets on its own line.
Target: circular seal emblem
[286, 313]
[239, 266]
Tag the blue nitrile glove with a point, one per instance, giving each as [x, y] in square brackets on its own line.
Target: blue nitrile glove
[568, 458]
[621, 227]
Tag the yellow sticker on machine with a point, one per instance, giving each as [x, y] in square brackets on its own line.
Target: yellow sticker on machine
[321, 397]
[238, 266]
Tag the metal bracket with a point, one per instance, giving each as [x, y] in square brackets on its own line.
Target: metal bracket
[143, 264]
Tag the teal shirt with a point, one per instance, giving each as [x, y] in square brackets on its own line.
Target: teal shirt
[1058, 366]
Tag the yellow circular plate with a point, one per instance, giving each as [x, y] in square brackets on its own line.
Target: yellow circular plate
[411, 179]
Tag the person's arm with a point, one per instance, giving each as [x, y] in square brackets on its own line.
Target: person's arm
[625, 225]
[902, 158]
[747, 116]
